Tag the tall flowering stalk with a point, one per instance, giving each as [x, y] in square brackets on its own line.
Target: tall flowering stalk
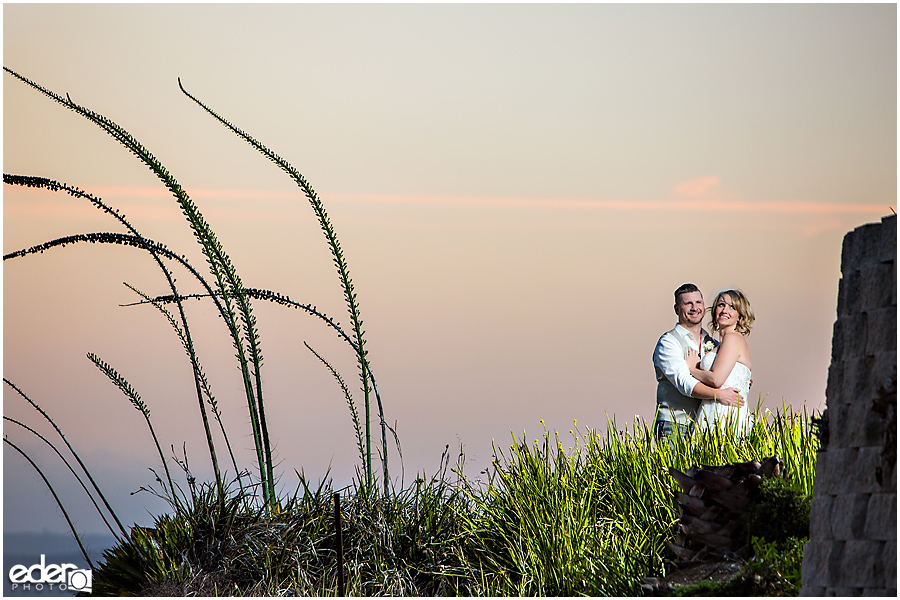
[346, 284]
[236, 305]
[231, 297]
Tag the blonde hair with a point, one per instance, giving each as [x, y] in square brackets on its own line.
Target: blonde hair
[741, 305]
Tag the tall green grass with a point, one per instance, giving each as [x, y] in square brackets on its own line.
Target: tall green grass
[586, 516]
[592, 515]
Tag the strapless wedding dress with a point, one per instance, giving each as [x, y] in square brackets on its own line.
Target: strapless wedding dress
[712, 413]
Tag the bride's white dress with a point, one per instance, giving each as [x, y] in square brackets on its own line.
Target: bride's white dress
[712, 413]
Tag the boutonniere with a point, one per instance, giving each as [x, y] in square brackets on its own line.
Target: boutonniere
[709, 345]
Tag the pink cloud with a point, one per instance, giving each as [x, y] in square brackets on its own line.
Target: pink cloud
[166, 208]
[696, 187]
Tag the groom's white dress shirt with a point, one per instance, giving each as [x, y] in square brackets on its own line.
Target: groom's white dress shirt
[675, 380]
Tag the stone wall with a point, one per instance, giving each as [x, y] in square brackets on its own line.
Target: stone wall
[853, 530]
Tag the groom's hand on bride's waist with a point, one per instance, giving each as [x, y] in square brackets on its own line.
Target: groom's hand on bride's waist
[730, 397]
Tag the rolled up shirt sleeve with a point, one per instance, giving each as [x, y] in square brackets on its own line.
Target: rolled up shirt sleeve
[669, 357]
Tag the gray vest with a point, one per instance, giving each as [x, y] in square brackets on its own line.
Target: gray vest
[673, 405]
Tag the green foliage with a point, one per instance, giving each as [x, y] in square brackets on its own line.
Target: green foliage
[545, 523]
[405, 543]
[774, 570]
[779, 513]
[586, 518]
[594, 519]
[779, 563]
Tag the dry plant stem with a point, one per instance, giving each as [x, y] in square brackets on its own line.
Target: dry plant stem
[139, 404]
[147, 244]
[136, 242]
[156, 249]
[277, 298]
[204, 382]
[229, 296]
[161, 250]
[220, 266]
[55, 497]
[343, 273]
[353, 414]
[75, 454]
[69, 466]
[195, 364]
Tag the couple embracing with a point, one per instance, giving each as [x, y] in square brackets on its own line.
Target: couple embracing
[701, 379]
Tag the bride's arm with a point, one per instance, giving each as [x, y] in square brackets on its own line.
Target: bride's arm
[727, 355]
[701, 375]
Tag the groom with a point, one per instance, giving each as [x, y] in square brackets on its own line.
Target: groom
[678, 394]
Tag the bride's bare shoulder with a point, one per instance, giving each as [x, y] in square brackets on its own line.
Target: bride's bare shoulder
[733, 337]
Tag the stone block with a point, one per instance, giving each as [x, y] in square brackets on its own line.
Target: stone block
[850, 251]
[884, 366]
[835, 561]
[848, 516]
[843, 592]
[840, 462]
[873, 460]
[854, 331]
[868, 244]
[815, 592]
[893, 285]
[820, 518]
[873, 242]
[853, 470]
[862, 564]
[840, 424]
[824, 480]
[841, 302]
[881, 517]
[850, 292]
[894, 288]
[859, 425]
[889, 560]
[876, 423]
[814, 572]
[835, 381]
[857, 383]
[876, 282]
[869, 461]
[887, 242]
[887, 475]
[887, 592]
[838, 331]
[881, 331]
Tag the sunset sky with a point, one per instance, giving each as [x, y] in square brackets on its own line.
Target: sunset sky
[518, 189]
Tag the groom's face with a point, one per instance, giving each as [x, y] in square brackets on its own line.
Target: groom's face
[690, 308]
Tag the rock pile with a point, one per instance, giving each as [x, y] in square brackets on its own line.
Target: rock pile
[713, 512]
[713, 507]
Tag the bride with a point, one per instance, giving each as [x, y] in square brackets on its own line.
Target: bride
[728, 365]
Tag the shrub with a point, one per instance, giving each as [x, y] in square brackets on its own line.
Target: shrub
[780, 513]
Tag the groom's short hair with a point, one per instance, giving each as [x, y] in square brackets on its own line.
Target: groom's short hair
[685, 288]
